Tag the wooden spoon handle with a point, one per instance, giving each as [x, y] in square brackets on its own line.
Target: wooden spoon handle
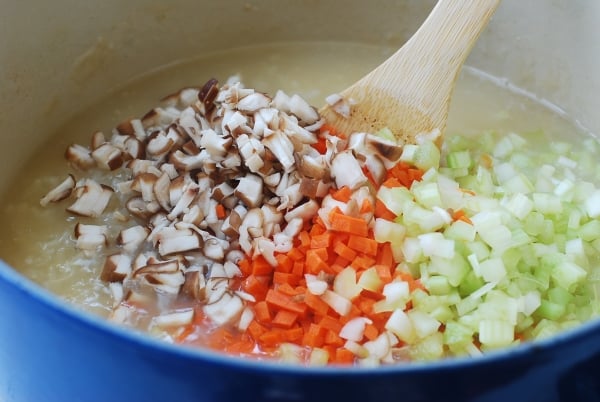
[435, 53]
[410, 92]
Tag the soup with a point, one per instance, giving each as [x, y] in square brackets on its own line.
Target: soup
[446, 264]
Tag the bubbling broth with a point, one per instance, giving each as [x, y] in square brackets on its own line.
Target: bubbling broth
[485, 114]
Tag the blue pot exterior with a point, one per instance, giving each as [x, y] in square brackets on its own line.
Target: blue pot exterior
[50, 352]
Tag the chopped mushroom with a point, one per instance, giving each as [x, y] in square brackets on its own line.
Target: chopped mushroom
[92, 199]
[60, 192]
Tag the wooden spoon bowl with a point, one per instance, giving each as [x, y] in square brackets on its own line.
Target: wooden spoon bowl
[410, 92]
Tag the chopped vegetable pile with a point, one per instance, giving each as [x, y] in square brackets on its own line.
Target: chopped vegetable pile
[244, 223]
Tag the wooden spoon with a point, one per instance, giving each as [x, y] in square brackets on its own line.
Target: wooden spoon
[410, 92]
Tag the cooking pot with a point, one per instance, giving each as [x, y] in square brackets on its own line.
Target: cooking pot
[60, 57]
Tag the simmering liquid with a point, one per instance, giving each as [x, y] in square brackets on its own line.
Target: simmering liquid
[39, 242]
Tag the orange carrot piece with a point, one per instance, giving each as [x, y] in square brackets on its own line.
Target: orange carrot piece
[315, 303]
[279, 278]
[330, 323]
[342, 194]
[304, 238]
[392, 182]
[272, 337]
[333, 339]
[314, 337]
[220, 210]
[363, 262]
[298, 269]
[245, 267]
[385, 256]
[296, 254]
[323, 240]
[348, 224]
[256, 330]
[293, 335]
[384, 272]
[366, 206]
[371, 332]
[314, 262]
[284, 263]
[382, 212]
[280, 300]
[343, 356]
[320, 145]
[262, 312]
[260, 266]
[257, 286]
[363, 245]
[284, 319]
[344, 251]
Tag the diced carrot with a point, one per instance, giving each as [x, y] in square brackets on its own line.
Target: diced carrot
[272, 337]
[321, 241]
[257, 286]
[363, 245]
[391, 182]
[344, 251]
[365, 304]
[331, 324]
[296, 254]
[293, 334]
[385, 256]
[315, 303]
[342, 194]
[314, 262]
[280, 278]
[331, 130]
[304, 238]
[262, 312]
[371, 332]
[363, 262]
[382, 212]
[348, 224]
[284, 319]
[245, 267]
[314, 337]
[343, 356]
[333, 339]
[260, 266]
[320, 145]
[284, 263]
[289, 290]
[282, 301]
[220, 210]
[256, 330]
[384, 272]
[366, 206]
[298, 269]
[317, 229]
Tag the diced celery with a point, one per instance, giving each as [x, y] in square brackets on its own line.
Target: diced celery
[550, 310]
[437, 285]
[454, 268]
[492, 269]
[423, 323]
[427, 156]
[590, 231]
[459, 159]
[427, 194]
[460, 231]
[470, 283]
[567, 274]
[457, 335]
[495, 333]
[428, 348]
